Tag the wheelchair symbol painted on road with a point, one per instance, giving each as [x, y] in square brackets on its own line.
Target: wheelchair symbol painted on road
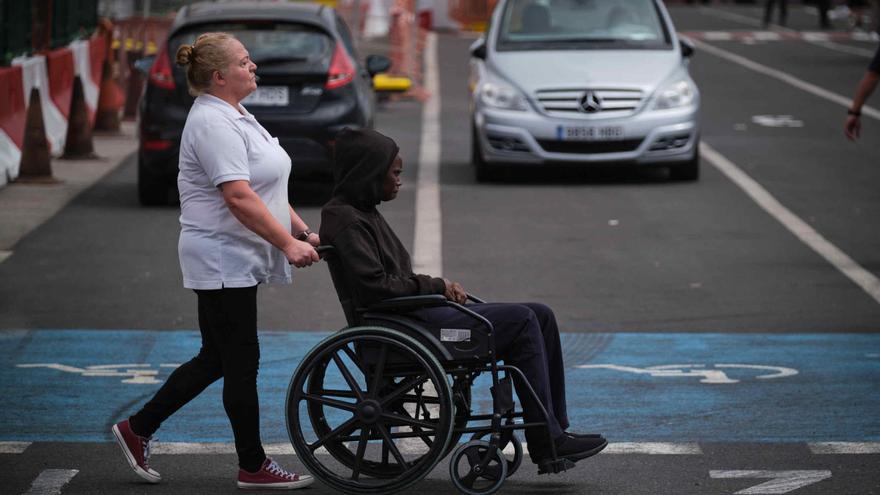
[133, 373]
[713, 374]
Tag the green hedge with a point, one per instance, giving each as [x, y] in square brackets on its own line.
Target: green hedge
[15, 35]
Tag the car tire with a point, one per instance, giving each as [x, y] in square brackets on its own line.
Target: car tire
[687, 171]
[484, 171]
[150, 191]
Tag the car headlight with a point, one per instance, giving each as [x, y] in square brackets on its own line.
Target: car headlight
[679, 93]
[502, 96]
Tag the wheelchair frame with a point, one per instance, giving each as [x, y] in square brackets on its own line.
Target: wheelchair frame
[383, 368]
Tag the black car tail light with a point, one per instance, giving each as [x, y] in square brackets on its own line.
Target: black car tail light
[160, 72]
[341, 69]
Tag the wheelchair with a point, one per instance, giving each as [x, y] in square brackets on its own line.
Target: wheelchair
[376, 406]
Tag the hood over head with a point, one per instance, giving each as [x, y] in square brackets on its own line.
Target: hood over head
[361, 161]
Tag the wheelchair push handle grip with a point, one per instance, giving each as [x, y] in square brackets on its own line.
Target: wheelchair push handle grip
[325, 250]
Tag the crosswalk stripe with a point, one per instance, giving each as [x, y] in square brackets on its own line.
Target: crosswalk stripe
[51, 481]
[845, 447]
[194, 448]
[13, 447]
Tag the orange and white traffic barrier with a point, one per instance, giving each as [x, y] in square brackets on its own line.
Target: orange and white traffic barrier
[13, 114]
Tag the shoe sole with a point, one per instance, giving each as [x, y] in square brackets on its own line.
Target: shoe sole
[276, 486]
[131, 460]
[589, 453]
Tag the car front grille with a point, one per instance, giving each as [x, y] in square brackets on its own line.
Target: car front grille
[604, 101]
[589, 147]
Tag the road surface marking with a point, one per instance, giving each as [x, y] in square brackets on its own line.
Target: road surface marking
[51, 481]
[653, 448]
[4, 255]
[845, 447]
[863, 278]
[786, 78]
[197, 448]
[819, 38]
[427, 244]
[780, 481]
[13, 447]
[707, 375]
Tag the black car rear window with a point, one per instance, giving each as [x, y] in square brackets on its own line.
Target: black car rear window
[267, 42]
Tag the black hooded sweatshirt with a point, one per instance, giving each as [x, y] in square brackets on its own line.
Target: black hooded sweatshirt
[370, 263]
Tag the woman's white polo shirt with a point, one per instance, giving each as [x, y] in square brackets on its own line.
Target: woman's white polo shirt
[220, 144]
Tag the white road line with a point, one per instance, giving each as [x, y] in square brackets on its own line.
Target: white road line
[786, 78]
[13, 447]
[845, 447]
[51, 481]
[4, 255]
[863, 278]
[818, 38]
[427, 250]
[194, 448]
[653, 448]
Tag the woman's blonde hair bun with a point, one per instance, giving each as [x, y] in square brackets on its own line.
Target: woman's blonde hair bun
[184, 55]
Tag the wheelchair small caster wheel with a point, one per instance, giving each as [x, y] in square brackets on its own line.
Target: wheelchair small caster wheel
[514, 463]
[477, 468]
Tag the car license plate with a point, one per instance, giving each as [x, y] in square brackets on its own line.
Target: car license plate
[591, 133]
[268, 96]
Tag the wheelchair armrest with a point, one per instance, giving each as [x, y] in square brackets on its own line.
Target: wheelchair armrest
[409, 303]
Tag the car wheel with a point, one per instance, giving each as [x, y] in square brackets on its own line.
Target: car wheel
[485, 172]
[687, 171]
[150, 191]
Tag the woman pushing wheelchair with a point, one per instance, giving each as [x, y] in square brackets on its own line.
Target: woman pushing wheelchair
[375, 266]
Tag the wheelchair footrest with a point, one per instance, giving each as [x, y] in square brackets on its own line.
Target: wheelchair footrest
[554, 466]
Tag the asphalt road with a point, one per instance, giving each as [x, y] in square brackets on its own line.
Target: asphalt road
[642, 272]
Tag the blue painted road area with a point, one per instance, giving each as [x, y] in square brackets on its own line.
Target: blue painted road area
[71, 385]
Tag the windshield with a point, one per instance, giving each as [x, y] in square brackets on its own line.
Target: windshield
[580, 24]
[267, 42]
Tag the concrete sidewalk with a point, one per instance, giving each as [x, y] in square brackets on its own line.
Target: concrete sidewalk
[24, 207]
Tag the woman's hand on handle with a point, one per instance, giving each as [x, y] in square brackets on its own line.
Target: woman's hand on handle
[300, 254]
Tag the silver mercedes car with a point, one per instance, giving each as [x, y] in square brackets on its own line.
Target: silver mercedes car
[583, 82]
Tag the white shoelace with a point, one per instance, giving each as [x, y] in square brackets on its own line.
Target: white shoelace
[147, 443]
[277, 470]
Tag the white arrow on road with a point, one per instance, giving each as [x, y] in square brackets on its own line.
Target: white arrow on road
[780, 481]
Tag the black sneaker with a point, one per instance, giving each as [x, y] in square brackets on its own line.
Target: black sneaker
[575, 449]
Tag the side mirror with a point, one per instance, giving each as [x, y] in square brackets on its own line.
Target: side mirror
[377, 64]
[143, 64]
[478, 49]
[687, 47]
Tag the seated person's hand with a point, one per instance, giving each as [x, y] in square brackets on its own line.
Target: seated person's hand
[455, 292]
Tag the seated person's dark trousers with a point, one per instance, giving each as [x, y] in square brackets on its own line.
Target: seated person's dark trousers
[526, 336]
[230, 350]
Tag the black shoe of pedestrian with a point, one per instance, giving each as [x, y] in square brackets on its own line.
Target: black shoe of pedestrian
[575, 449]
[584, 435]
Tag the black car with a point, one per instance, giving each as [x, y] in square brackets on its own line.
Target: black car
[311, 85]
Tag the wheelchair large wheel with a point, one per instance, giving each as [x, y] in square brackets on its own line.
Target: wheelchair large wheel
[378, 402]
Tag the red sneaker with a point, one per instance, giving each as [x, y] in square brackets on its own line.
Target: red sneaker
[136, 450]
[271, 475]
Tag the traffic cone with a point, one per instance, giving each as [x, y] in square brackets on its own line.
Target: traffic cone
[110, 100]
[78, 144]
[36, 162]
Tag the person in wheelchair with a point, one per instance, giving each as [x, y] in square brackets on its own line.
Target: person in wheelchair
[376, 266]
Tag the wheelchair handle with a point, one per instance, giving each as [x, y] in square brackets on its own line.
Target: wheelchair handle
[325, 250]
